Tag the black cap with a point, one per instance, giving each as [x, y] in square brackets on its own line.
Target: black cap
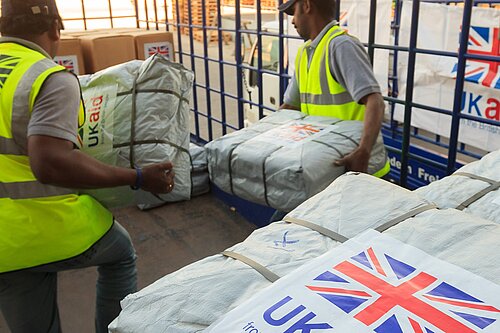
[12, 8]
[287, 7]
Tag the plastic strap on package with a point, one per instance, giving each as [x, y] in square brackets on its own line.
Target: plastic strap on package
[195, 296]
[200, 181]
[286, 157]
[137, 114]
[474, 188]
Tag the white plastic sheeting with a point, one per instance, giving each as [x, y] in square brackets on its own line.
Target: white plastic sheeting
[200, 181]
[137, 114]
[453, 191]
[286, 157]
[195, 296]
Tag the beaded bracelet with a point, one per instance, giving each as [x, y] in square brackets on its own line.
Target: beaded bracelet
[138, 179]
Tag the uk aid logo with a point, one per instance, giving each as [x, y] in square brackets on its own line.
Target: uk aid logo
[485, 74]
[483, 41]
[390, 296]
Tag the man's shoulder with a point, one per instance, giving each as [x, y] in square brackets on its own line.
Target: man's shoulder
[63, 79]
[344, 39]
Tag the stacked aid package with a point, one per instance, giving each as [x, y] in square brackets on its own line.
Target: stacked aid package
[474, 188]
[137, 113]
[286, 157]
[196, 296]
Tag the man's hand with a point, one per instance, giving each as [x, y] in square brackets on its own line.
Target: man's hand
[355, 161]
[158, 178]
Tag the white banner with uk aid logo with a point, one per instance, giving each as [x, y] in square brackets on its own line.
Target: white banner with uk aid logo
[371, 283]
[435, 76]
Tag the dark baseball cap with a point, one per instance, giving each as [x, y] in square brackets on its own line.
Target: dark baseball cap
[287, 7]
[11, 8]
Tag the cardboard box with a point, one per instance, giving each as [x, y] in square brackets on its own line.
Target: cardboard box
[70, 55]
[101, 51]
[149, 42]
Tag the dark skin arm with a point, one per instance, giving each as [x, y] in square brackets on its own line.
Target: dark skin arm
[289, 107]
[374, 114]
[55, 161]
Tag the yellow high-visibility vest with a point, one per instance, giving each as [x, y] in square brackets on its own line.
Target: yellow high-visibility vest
[39, 223]
[320, 93]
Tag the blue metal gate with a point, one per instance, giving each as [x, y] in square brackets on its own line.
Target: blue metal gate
[203, 30]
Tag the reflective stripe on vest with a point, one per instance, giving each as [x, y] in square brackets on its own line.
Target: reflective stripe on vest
[39, 223]
[324, 97]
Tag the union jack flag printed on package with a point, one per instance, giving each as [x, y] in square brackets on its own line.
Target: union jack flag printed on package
[390, 296]
[371, 283]
[483, 41]
[162, 48]
[70, 62]
[293, 133]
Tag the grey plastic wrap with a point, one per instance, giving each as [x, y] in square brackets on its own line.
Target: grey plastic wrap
[192, 298]
[452, 191]
[199, 170]
[255, 165]
[150, 124]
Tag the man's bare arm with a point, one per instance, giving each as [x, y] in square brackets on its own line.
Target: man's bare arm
[289, 107]
[55, 161]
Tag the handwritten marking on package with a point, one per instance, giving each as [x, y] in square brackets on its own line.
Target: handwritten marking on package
[284, 241]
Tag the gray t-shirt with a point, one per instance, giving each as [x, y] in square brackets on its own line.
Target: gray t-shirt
[55, 112]
[349, 65]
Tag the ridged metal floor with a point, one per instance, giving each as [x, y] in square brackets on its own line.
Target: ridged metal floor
[166, 239]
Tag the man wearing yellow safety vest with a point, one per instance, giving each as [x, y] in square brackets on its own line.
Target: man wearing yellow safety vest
[45, 226]
[333, 77]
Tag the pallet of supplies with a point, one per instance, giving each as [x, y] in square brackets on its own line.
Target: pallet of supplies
[137, 114]
[196, 296]
[286, 157]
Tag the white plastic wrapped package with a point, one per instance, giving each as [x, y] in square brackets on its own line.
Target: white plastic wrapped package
[286, 157]
[474, 188]
[137, 114]
[200, 181]
[192, 298]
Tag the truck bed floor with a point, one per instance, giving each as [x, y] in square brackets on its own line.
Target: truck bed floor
[166, 239]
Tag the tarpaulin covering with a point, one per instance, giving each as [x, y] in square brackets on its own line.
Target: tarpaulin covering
[286, 157]
[474, 188]
[199, 170]
[370, 283]
[195, 296]
[200, 181]
[137, 114]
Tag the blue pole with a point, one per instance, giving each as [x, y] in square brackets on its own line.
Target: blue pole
[207, 71]
[410, 79]
[459, 87]
[239, 71]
